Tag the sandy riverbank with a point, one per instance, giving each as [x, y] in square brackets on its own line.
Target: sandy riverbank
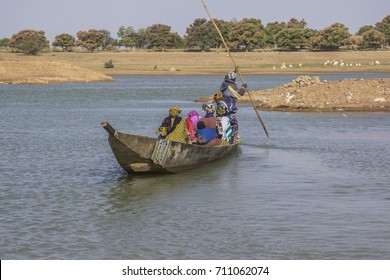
[312, 95]
[38, 72]
[309, 94]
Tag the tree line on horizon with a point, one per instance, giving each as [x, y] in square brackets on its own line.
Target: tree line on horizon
[247, 34]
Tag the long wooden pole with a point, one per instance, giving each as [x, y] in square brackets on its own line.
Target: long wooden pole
[236, 67]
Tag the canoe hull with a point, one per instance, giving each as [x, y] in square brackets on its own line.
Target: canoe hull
[141, 154]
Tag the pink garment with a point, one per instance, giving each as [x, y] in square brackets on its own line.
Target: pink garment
[191, 122]
[191, 129]
[194, 116]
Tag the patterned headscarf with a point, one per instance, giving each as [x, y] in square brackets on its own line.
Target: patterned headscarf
[230, 78]
[222, 109]
[174, 111]
[217, 96]
[208, 108]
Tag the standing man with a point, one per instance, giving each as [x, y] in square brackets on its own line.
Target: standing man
[230, 94]
[230, 90]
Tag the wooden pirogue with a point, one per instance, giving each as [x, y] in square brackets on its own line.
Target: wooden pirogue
[141, 154]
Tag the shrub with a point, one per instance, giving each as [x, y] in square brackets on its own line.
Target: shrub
[4, 42]
[109, 64]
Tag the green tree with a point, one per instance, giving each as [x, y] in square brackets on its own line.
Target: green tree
[107, 41]
[199, 35]
[364, 29]
[294, 23]
[128, 37]
[247, 33]
[271, 30]
[384, 27]
[332, 37]
[356, 40]
[224, 27]
[373, 39]
[175, 41]
[28, 41]
[294, 38]
[142, 38]
[4, 43]
[64, 41]
[295, 35]
[159, 36]
[90, 40]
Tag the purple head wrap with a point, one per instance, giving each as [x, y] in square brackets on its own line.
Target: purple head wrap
[194, 116]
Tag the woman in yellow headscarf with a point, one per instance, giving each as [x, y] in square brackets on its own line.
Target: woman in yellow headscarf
[174, 127]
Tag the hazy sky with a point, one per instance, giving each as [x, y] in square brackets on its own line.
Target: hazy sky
[56, 17]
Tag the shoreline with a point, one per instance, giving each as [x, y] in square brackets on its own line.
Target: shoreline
[248, 73]
[141, 63]
[360, 95]
[309, 94]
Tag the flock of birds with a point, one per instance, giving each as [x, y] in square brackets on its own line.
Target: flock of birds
[284, 66]
[329, 63]
[341, 63]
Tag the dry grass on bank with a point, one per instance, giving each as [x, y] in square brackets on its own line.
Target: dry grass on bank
[46, 72]
[218, 62]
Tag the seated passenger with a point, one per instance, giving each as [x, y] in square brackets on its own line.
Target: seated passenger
[191, 122]
[174, 127]
[207, 135]
[209, 109]
[227, 132]
[209, 130]
[228, 109]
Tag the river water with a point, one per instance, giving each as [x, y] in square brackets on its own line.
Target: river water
[319, 189]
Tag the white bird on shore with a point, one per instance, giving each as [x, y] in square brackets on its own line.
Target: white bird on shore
[289, 97]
